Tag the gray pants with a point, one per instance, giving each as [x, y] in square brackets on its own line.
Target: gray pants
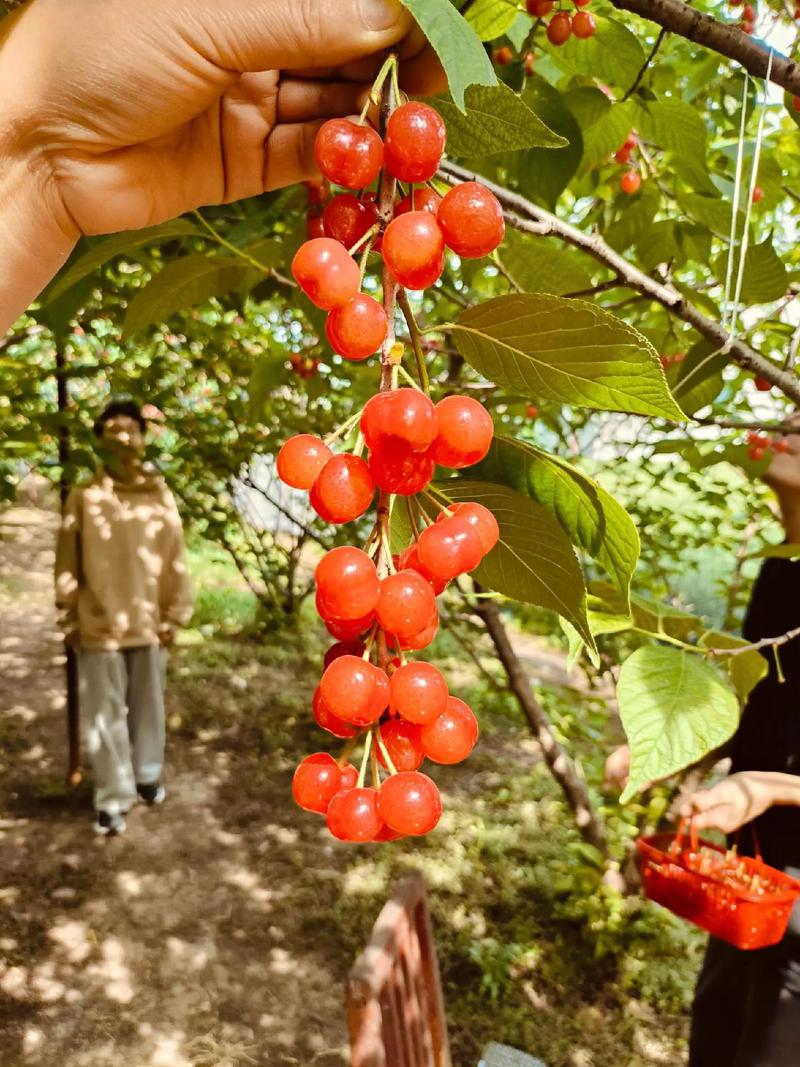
[122, 704]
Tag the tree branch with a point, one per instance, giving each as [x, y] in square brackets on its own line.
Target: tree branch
[528, 217]
[727, 40]
[765, 642]
[647, 62]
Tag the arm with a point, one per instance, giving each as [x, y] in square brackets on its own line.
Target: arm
[176, 596]
[741, 798]
[68, 567]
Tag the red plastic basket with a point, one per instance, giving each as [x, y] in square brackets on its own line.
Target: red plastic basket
[678, 871]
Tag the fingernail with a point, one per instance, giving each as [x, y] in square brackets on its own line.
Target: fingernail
[381, 14]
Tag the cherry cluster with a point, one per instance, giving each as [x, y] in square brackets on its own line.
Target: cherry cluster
[562, 24]
[631, 180]
[748, 20]
[759, 444]
[381, 606]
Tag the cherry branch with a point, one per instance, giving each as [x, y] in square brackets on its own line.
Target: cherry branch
[727, 40]
[765, 642]
[528, 217]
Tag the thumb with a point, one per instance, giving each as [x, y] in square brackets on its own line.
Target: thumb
[255, 35]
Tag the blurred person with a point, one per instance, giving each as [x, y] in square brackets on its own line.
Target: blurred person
[121, 590]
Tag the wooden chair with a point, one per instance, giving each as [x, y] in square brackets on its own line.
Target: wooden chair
[395, 1009]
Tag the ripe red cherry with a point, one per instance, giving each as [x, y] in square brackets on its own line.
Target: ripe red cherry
[425, 199]
[342, 648]
[762, 384]
[358, 328]
[403, 745]
[409, 560]
[472, 220]
[406, 604]
[348, 154]
[380, 701]
[502, 56]
[622, 155]
[347, 629]
[583, 24]
[781, 445]
[419, 692]
[326, 273]
[314, 227]
[349, 777]
[349, 690]
[749, 13]
[410, 803]
[559, 28]
[630, 182]
[343, 490]
[758, 194]
[422, 639]
[318, 190]
[449, 548]
[301, 459]
[346, 218]
[396, 469]
[347, 582]
[326, 720]
[414, 143]
[756, 453]
[539, 8]
[529, 63]
[796, 103]
[353, 815]
[480, 519]
[451, 737]
[531, 411]
[465, 432]
[405, 415]
[413, 249]
[316, 780]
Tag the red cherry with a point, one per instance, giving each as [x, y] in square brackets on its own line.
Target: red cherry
[502, 56]
[406, 604]
[343, 490]
[409, 560]
[746, 27]
[453, 735]
[318, 190]
[316, 780]
[353, 815]
[465, 432]
[630, 141]
[380, 701]
[755, 453]
[326, 273]
[583, 25]
[347, 582]
[758, 194]
[472, 220]
[559, 28]
[396, 469]
[404, 415]
[342, 648]
[762, 384]
[749, 13]
[349, 689]
[531, 411]
[386, 833]
[410, 803]
[358, 328]
[539, 8]
[796, 103]
[424, 200]
[630, 182]
[314, 227]
[622, 155]
[418, 692]
[347, 629]
[301, 459]
[403, 745]
[449, 548]
[413, 249]
[480, 519]
[422, 639]
[781, 445]
[346, 218]
[348, 154]
[414, 143]
[529, 64]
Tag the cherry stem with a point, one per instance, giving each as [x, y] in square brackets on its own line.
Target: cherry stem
[362, 264]
[365, 655]
[376, 778]
[347, 749]
[412, 518]
[442, 507]
[364, 760]
[385, 753]
[344, 429]
[414, 334]
[410, 380]
[368, 236]
[390, 64]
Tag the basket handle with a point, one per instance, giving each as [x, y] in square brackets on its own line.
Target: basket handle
[677, 844]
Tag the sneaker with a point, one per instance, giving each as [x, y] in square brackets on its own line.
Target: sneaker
[109, 823]
[151, 794]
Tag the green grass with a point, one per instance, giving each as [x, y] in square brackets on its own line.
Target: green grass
[222, 601]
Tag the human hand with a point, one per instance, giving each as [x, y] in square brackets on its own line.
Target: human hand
[72, 639]
[734, 801]
[618, 768]
[166, 635]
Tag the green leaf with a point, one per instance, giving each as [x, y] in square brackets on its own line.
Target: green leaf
[109, 248]
[675, 708]
[183, 284]
[268, 373]
[699, 379]
[604, 126]
[533, 562]
[777, 552]
[764, 276]
[400, 532]
[518, 32]
[455, 42]
[659, 244]
[590, 517]
[745, 670]
[569, 351]
[680, 130]
[496, 120]
[543, 175]
[612, 55]
[648, 614]
[539, 265]
[713, 212]
[491, 18]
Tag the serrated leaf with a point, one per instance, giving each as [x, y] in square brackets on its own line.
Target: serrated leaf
[590, 517]
[457, 45]
[764, 277]
[648, 614]
[569, 351]
[539, 265]
[658, 244]
[183, 284]
[518, 32]
[613, 55]
[400, 532]
[543, 175]
[675, 708]
[533, 562]
[491, 18]
[711, 211]
[746, 669]
[103, 251]
[679, 129]
[496, 120]
[604, 125]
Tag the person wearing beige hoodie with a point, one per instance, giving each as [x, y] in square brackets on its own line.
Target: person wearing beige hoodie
[121, 590]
